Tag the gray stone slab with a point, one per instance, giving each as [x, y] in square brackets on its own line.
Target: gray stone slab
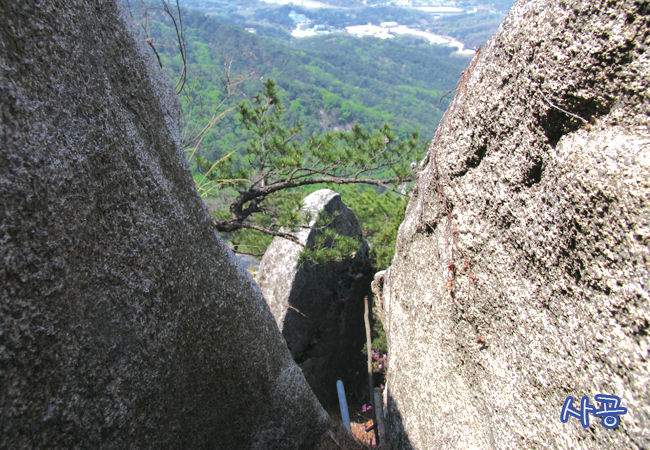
[124, 319]
[521, 274]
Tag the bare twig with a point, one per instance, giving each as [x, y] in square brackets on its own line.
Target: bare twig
[298, 311]
[215, 164]
[239, 252]
[180, 36]
[234, 226]
[560, 109]
[148, 41]
[464, 76]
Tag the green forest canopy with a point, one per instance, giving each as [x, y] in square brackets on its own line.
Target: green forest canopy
[272, 20]
[326, 82]
[330, 82]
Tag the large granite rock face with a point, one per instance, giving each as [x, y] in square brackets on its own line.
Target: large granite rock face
[124, 320]
[319, 308]
[522, 268]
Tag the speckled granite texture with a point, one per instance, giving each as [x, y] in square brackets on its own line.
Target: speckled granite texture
[124, 320]
[522, 268]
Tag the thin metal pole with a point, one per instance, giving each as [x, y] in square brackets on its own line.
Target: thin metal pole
[345, 414]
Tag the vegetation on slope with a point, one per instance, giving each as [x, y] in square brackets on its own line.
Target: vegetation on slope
[273, 21]
[329, 83]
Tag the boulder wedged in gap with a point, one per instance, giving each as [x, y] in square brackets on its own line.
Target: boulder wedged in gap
[319, 308]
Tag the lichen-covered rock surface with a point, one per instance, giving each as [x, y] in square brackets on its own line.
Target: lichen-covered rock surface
[124, 320]
[319, 308]
[521, 274]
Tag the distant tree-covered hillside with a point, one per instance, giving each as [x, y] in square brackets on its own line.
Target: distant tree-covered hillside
[328, 82]
[272, 19]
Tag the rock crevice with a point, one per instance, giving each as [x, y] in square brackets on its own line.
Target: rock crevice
[522, 278]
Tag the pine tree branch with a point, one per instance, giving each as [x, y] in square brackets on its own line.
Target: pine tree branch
[273, 233]
[281, 185]
[234, 225]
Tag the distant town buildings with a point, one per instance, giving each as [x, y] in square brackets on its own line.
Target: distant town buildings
[298, 18]
[441, 10]
[371, 30]
[388, 30]
[442, 7]
[389, 25]
[320, 29]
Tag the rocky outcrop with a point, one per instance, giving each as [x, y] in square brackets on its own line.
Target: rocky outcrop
[319, 308]
[125, 322]
[521, 274]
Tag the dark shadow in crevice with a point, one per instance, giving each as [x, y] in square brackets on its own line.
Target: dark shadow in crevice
[472, 161]
[323, 326]
[560, 118]
[534, 173]
[430, 229]
[395, 431]
[642, 329]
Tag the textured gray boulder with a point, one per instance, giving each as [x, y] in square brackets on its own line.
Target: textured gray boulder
[319, 309]
[124, 320]
[521, 274]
